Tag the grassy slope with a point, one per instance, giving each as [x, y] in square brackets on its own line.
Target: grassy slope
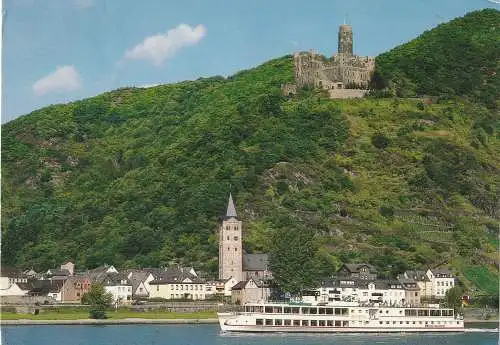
[141, 176]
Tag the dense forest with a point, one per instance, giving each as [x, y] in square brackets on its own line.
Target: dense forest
[140, 177]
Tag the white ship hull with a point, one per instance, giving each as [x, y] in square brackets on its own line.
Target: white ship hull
[385, 320]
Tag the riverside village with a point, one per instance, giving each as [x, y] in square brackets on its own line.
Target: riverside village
[243, 278]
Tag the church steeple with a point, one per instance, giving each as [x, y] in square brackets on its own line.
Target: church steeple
[230, 245]
[231, 210]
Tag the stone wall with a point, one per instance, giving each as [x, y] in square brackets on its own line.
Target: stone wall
[347, 93]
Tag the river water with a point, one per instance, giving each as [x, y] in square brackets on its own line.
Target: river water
[210, 335]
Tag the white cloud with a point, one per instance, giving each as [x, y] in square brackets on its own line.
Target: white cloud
[495, 1]
[64, 78]
[158, 48]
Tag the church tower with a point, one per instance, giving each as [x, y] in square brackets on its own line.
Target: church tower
[230, 245]
[345, 39]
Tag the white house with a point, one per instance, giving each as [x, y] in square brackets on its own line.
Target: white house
[180, 283]
[9, 276]
[119, 286]
[441, 281]
[16, 289]
[422, 280]
[140, 280]
[359, 290]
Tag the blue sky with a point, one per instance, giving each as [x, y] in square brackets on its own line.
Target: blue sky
[55, 51]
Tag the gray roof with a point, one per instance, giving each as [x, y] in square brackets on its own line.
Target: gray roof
[354, 268]
[242, 284]
[136, 277]
[175, 275]
[231, 210]
[255, 262]
[417, 275]
[113, 279]
[441, 272]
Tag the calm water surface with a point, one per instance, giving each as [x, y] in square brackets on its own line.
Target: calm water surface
[210, 335]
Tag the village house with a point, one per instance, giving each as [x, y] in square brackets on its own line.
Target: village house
[11, 281]
[223, 287]
[421, 279]
[249, 291]
[441, 281]
[358, 271]
[47, 288]
[179, 283]
[140, 279]
[74, 288]
[118, 286]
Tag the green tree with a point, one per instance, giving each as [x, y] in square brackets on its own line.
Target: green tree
[99, 300]
[293, 258]
[453, 297]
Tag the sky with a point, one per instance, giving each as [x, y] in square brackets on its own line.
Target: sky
[57, 51]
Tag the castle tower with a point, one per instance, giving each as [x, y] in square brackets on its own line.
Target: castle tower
[345, 39]
[230, 245]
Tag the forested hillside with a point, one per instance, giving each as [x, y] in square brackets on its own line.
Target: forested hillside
[140, 177]
[458, 58]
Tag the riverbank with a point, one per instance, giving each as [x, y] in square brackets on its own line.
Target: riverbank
[125, 321]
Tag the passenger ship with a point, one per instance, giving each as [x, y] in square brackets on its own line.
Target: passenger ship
[339, 317]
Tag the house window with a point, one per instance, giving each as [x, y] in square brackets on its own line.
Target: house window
[157, 287]
[235, 249]
[236, 238]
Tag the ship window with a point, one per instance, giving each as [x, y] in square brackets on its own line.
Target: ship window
[259, 322]
[269, 309]
[269, 322]
[313, 310]
[413, 322]
[393, 322]
[400, 322]
[296, 322]
[277, 310]
[387, 322]
[288, 322]
[305, 322]
[321, 311]
[278, 322]
[458, 322]
[314, 323]
[435, 313]
[305, 310]
[329, 323]
[295, 310]
[287, 310]
[345, 323]
[407, 322]
[322, 323]
[329, 311]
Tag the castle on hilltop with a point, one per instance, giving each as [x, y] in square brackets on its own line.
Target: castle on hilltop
[344, 75]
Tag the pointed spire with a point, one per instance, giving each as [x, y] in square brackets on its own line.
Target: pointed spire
[231, 210]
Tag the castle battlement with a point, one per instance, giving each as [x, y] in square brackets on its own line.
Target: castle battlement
[343, 70]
